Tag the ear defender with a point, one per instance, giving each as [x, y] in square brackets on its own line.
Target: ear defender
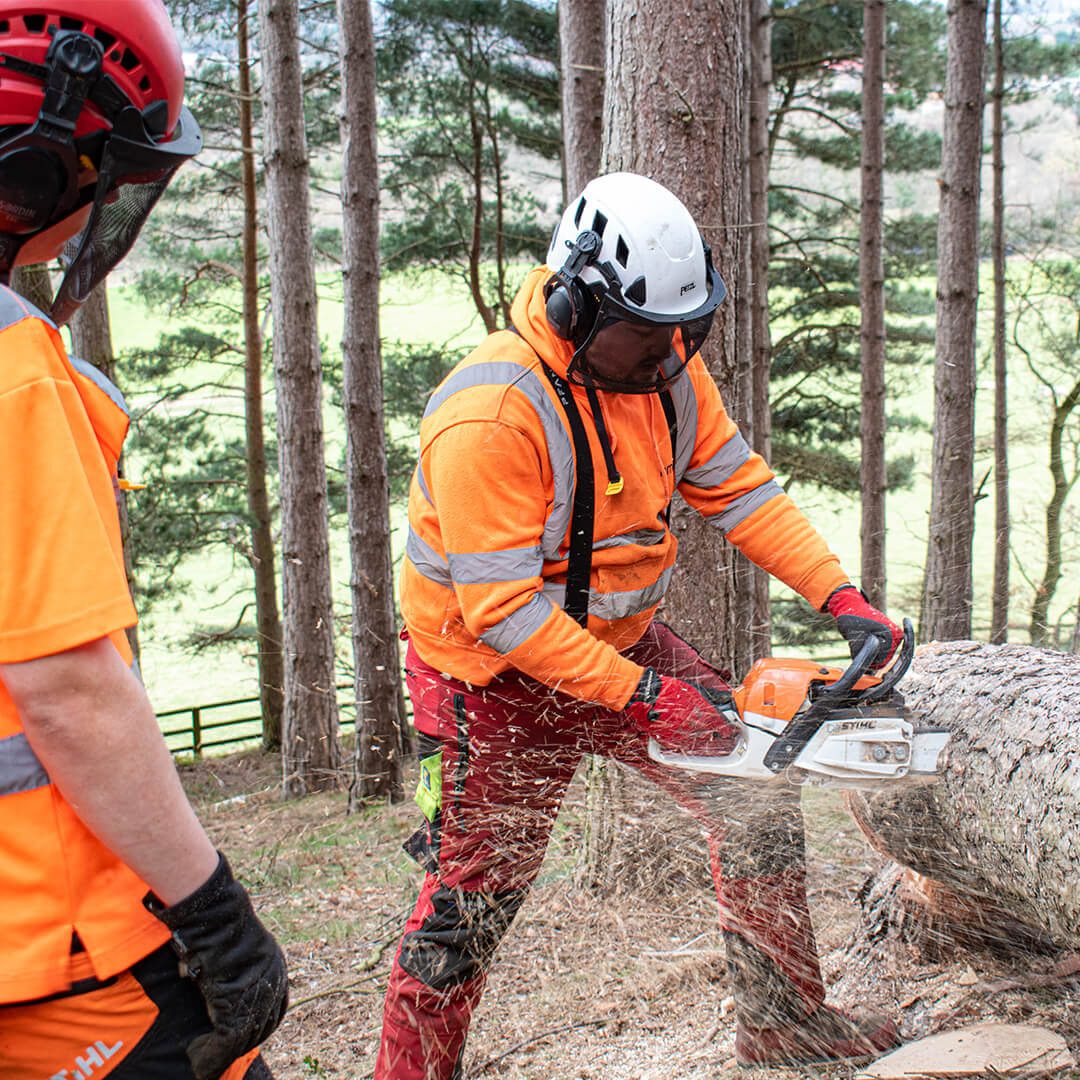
[564, 306]
[568, 303]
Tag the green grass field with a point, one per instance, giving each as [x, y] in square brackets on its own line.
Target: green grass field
[430, 309]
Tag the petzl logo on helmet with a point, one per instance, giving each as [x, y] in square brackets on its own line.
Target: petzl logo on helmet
[687, 288]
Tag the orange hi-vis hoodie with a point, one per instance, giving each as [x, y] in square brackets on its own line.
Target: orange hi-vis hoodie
[62, 584]
[483, 580]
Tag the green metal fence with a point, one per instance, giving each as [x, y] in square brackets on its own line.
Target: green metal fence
[227, 723]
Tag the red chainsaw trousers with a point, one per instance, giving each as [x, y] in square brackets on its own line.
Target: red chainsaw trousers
[496, 762]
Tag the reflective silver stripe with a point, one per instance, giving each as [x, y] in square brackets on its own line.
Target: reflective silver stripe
[685, 401]
[518, 627]
[643, 537]
[722, 465]
[101, 382]
[13, 309]
[742, 507]
[428, 561]
[560, 449]
[616, 605]
[487, 567]
[20, 769]
[422, 483]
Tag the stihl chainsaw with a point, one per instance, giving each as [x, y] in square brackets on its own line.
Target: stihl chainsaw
[821, 725]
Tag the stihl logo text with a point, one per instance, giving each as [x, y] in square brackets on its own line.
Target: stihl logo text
[93, 1058]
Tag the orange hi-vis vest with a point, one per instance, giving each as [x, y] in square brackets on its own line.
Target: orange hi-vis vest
[62, 584]
[483, 584]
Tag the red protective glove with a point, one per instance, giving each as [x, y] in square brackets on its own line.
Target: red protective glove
[683, 717]
[857, 621]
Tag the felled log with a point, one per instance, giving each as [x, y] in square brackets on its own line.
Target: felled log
[999, 831]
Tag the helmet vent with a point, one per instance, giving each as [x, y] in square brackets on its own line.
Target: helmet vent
[129, 61]
[636, 292]
[622, 252]
[580, 211]
[144, 84]
[107, 40]
[599, 223]
[35, 24]
[68, 22]
[5, 26]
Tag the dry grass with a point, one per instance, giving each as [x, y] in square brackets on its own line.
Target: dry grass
[627, 989]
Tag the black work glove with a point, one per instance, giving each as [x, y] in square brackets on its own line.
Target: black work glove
[857, 621]
[236, 963]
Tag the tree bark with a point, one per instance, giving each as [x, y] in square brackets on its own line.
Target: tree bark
[759, 84]
[91, 340]
[673, 111]
[999, 601]
[380, 703]
[312, 753]
[948, 589]
[1002, 822]
[271, 660]
[581, 50]
[872, 301]
[35, 284]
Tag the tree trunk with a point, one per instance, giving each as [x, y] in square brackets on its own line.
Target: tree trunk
[1063, 483]
[581, 49]
[1002, 822]
[380, 703]
[948, 591]
[34, 283]
[312, 750]
[999, 602]
[673, 111]
[271, 659]
[91, 340]
[759, 45]
[872, 301]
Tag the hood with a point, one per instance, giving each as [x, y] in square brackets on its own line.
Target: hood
[528, 313]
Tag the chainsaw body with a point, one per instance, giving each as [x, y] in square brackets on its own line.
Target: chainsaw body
[814, 724]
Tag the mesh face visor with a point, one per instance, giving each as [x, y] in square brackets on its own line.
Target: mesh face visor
[131, 179]
[690, 329]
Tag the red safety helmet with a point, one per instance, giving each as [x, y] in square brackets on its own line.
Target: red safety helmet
[92, 129]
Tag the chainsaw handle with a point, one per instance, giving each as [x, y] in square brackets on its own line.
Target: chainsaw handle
[898, 669]
[854, 672]
[861, 665]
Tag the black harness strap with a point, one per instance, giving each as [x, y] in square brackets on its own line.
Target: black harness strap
[579, 559]
[673, 432]
[583, 514]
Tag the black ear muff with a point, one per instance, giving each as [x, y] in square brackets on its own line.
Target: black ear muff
[32, 182]
[562, 312]
[570, 307]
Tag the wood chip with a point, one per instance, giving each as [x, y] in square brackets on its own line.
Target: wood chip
[1022, 1049]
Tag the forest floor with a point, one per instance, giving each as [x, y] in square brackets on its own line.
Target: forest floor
[630, 988]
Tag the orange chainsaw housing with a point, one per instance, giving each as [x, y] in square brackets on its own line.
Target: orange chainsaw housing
[778, 688]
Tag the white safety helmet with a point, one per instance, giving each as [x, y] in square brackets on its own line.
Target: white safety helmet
[627, 249]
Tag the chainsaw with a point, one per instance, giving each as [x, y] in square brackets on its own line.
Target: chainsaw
[823, 726]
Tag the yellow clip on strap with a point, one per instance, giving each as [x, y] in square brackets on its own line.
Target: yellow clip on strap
[614, 487]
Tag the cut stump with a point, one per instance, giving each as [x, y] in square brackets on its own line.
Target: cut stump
[1019, 1049]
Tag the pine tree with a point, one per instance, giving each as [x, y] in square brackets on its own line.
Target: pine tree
[311, 746]
[467, 86]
